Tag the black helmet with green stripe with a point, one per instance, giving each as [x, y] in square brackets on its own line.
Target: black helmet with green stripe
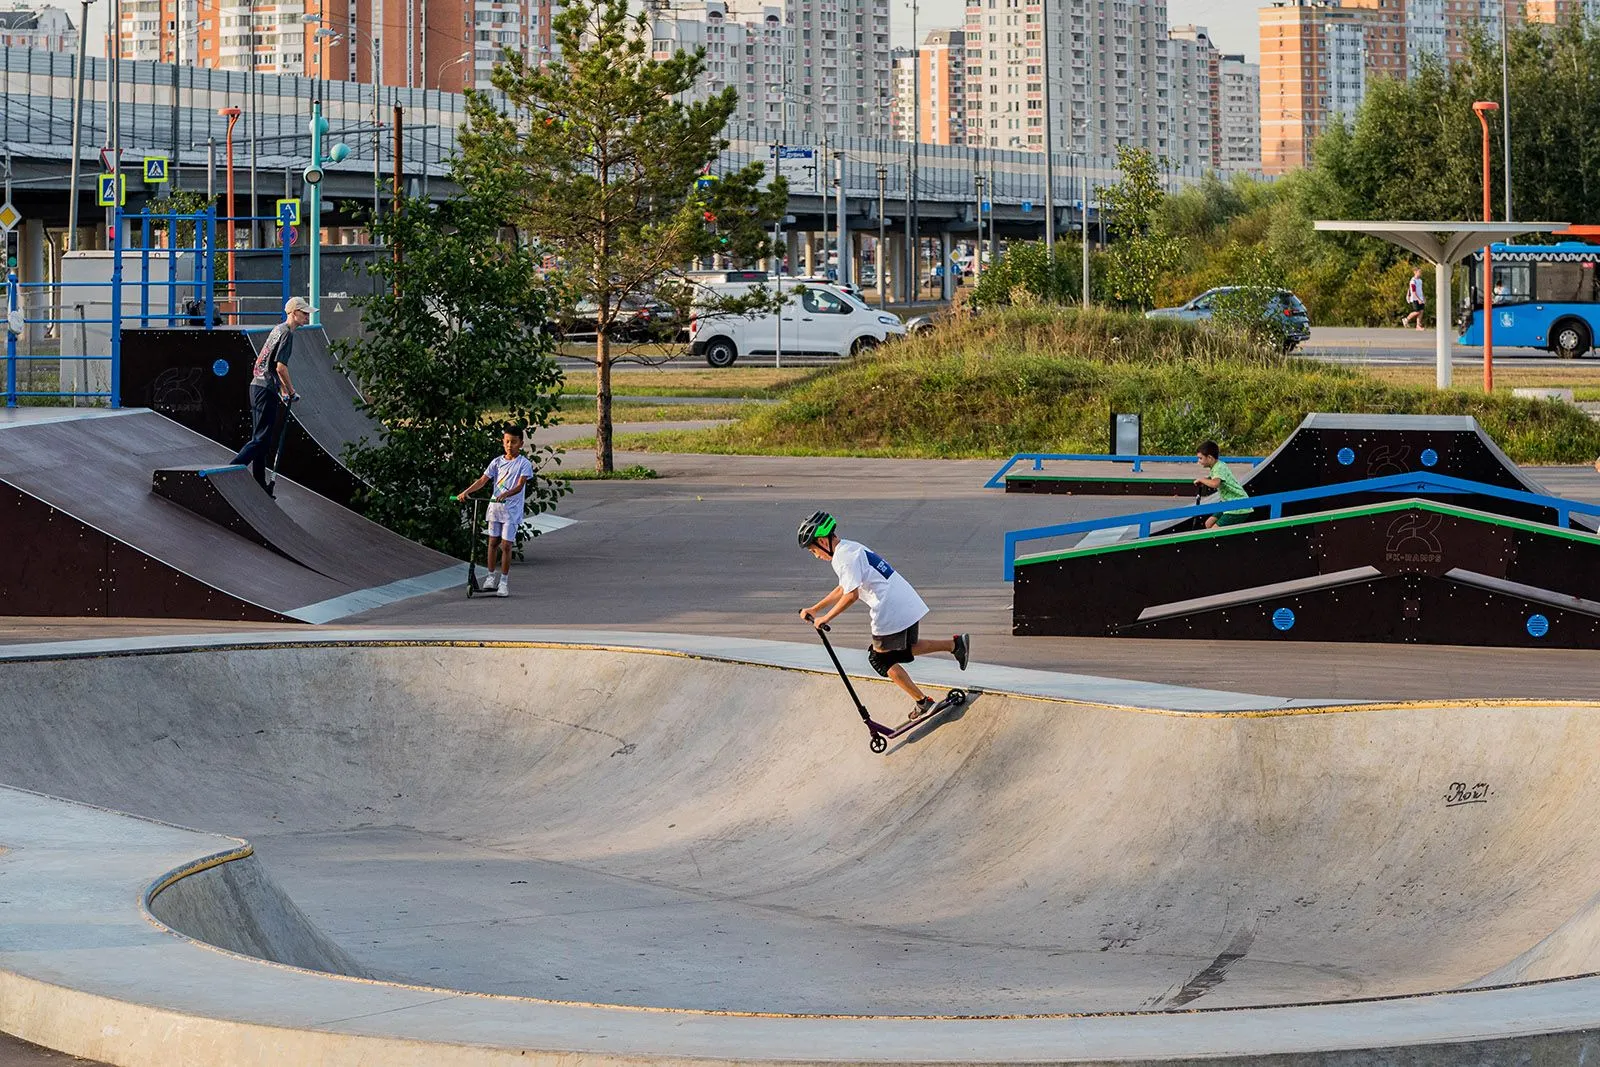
[815, 528]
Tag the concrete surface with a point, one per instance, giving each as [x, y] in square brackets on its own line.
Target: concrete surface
[572, 828]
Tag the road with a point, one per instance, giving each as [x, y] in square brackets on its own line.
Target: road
[1393, 346]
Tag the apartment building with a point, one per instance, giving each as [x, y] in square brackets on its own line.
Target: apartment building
[434, 44]
[931, 83]
[749, 48]
[1110, 83]
[49, 28]
[1239, 114]
[1193, 63]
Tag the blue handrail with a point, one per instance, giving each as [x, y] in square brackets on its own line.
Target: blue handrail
[1390, 483]
[997, 480]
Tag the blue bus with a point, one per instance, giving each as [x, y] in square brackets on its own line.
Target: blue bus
[1545, 296]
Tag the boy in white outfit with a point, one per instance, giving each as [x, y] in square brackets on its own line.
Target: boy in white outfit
[896, 608]
[509, 474]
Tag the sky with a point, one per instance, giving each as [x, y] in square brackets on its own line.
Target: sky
[1232, 22]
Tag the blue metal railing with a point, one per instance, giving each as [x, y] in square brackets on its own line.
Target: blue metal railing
[998, 479]
[202, 281]
[1391, 483]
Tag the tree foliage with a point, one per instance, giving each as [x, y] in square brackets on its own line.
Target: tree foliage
[1027, 272]
[1141, 248]
[599, 157]
[454, 353]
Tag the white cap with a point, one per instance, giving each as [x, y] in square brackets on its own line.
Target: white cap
[298, 303]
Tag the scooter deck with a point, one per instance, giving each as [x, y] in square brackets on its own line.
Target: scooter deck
[953, 699]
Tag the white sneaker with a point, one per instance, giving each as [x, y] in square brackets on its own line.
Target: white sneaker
[504, 588]
[490, 582]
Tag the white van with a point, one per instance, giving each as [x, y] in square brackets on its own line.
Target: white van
[816, 320]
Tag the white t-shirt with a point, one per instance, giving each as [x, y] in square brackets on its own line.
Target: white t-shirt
[504, 473]
[894, 604]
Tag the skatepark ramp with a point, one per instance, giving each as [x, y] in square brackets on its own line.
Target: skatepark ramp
[87, 536]
[201, 379]
[1403, 556]
[692, 857]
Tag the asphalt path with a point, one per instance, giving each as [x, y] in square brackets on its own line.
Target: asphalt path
[710, 548]
[1395, 346]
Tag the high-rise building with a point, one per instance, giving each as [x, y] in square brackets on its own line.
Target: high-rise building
[749, 48]
[1239, 114]
[841, 77]
[49, 28]
[1193, 61]
[429, 44]
[1109, 78]
[931, 83]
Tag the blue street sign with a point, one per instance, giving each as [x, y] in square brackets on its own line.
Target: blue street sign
[1027, 205]
[987, 206]
[155, 169]
[111, 190]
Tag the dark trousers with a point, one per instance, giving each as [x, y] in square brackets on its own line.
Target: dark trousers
[264, 411]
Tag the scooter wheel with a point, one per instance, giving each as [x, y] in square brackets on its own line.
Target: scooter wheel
[956, 697]
[878, 743]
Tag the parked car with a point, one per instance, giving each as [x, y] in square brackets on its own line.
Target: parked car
[847, 287]
[816, 319]
[919, 324]
[638, 318]
[1282, 303]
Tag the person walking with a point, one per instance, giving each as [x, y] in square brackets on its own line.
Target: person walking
[271, 387]
[1416, 300]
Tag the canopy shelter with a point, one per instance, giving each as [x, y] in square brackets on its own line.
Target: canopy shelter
[1442, 244]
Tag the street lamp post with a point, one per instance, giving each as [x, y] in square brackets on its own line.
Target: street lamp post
[232, 114]
[313, 175]
[77, 133]
[883, 186]
[1481, 109]
[377, 120]
[1049, 139]
[977, 245]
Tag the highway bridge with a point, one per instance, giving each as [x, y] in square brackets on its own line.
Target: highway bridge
[173, 111]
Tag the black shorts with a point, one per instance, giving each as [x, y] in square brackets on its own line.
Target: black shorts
[1416, 305]
[886, 651]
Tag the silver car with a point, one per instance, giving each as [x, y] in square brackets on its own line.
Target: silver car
[1283, 303]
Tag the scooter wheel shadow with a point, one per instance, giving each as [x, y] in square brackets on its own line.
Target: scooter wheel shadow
[955, 714]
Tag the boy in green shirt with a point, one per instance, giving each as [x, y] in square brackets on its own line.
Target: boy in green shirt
[1222, 480]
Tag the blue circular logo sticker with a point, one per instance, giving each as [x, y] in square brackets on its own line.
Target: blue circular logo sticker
[1283, 618]
[1538, 625]
[220, 368]
[1429, 457]
[1346, 457]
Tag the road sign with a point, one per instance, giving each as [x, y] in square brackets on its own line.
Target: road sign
[292, 205]
[988, 206]
[9, 216]
[155, 169]
[111, 190]
[1027, 205]
[795, 161]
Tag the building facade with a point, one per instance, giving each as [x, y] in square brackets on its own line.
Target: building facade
[930, 84]
[749, 48]
[1239, 115]
[1193, 62]
[426, 44]
[49, 28]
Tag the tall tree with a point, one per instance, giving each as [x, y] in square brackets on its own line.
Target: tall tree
[1141, 248]
[455, 352]
[601, 158]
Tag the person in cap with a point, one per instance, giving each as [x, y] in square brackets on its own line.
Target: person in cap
[271, 387]
[895, 607]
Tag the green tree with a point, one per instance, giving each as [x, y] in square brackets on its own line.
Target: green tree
[1141, 249]
[455, 351]
[600, 157]
[1028, 271]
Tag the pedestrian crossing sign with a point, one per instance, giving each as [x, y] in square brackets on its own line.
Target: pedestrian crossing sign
[155, 169]
[112, 190]
[288, 211]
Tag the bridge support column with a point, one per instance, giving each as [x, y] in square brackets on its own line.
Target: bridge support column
[947, 272]
[896, 258]
[792, 242]
[35, 304]
[811, 253]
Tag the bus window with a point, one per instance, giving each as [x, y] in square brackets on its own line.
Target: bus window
[1513, 283]
[1566, 283]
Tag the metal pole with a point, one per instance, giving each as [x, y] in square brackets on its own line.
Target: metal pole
[314, 212]
[883, 182]
[377, 137]
[913, 228]
[911, 261]
[1505, 109]
[211, 168]
[977, 244]
[1049, 139]
[1086, 229]
[177, 61]
[1481, 109]
[255, 136]
[233, 117]
[77, 133]
[841, 229]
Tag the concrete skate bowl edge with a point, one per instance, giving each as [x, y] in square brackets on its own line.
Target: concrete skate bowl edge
[703, 855]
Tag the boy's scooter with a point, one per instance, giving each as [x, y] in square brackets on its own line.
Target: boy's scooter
[881, 735]
[472, 547]
[283, 435]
